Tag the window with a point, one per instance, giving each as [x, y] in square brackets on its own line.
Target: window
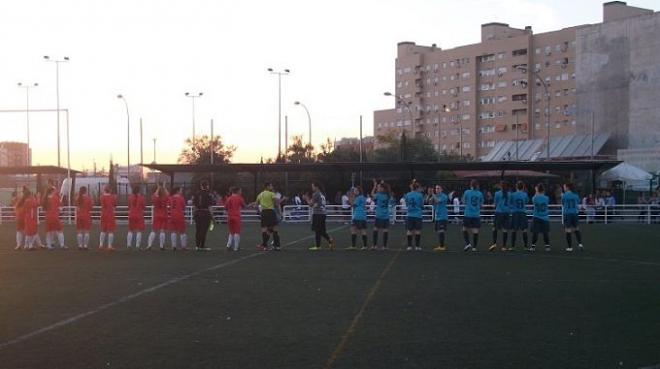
[466, 88]
[564, 77]
[501, 84]
[407, 70]
[487, 100]
[487, 129]
[486, 72]
[501, 99]
[501, 71]
[466, 75]
[487, 86]
[537, 51]
[486, 115]
[501, 55]
[466, 102]
[452, 63]
[444, 65]
[466, 145]
[519, 83]
[520, 97]
[486, 58]
[519, 52]
[466, 116]
[435, 93]
[548, 50]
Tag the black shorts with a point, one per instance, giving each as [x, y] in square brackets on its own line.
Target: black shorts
[471, 222]
[382, 223]
[540, 226]
[318, 223]
[440, 225]
[414, 224]
[519, 221]
[268, 218]
[502, 221]
[571, 221]
[359, 224]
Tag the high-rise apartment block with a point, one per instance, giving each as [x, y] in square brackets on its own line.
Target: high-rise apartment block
[513, 85]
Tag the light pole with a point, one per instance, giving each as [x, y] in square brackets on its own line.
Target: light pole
[279, 109]
[547, 105]
[27, 88]
[309, 120]
[193, 97]
[401, 101]
[154, 160]
[57, 94]
[128, 137]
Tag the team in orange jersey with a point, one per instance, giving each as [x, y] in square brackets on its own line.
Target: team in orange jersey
[108, 224]
[160, 200]
[83, 218]
[135, 218]
[177, 220]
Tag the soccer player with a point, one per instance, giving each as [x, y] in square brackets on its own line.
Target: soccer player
[29, 205]
[159, 201]
[267, 201]
[473, 199]
[569, 202]
[202, 202]
[17, 203]
[414, 205]
[234, 204]
[51, 203]
[440, 200]
[541, 219]
[518, 203]
[359, 218]
[108, 224]
[382, 197]
[83, 218]
[502, 216]
[135, 218]
[177, 220]
[318, 203]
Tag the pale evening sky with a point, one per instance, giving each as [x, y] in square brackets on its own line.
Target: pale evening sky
[341, 54]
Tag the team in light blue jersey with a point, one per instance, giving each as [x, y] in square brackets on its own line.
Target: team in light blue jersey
[569, 205]
[541, 217]
[382, 196]
[502, 221]
[441, 216]
[359, 218]
[518, 203]
[473, 199]
[414, 206]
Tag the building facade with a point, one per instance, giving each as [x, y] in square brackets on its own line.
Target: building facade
[13, 154]
[513, 85]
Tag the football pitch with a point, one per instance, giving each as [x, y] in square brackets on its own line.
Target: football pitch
[339, 309]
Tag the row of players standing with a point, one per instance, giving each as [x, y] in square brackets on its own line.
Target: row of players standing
[510, 216]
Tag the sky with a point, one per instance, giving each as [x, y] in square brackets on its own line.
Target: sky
[341, 55]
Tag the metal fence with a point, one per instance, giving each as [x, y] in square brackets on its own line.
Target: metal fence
[640, 214]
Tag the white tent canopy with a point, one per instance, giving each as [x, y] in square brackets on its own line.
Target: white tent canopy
[635, 178]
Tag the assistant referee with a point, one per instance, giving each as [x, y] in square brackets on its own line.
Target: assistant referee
[267, 201]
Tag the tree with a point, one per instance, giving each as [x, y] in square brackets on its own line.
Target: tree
[299, 152]
[199, 151]
[397, 148]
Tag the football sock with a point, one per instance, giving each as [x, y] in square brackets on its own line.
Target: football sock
[505, 237]
[364, 240]
[19, 239]
[494, 236]
[475, 240]
[569, 240]
[317, 239]
[385, 237]
[60, 238]
[525, 239]
[150, 240]
[264, 238]
[441, 238]
[514, 235]
[237, 240]
[410, 239]
[101, 239]
[138, 239]
[86, 239]
[578, 236]
[161, 239]
[418, 240]
[276, 238]
[353, 239]
[546, 238]
[79, 238]
[374, 238]
[173, 238]
[466, 238]
[129, 239]
[111, 237]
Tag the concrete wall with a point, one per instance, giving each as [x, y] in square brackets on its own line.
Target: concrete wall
[618, 80]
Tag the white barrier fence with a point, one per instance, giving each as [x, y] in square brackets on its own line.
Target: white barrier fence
[641, 214]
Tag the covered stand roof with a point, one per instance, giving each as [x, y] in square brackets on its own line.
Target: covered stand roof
[562, 147]
[502, 174]
[38, 169]
[596, 165]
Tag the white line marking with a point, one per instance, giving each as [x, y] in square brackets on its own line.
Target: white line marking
[135, 295]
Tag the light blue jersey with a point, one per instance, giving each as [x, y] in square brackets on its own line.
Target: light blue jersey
[382, 201]
[359, 210]
[569, 202]
[541, 203]
[502, 202]
[473, 199]
[414, 204]
[440, 206]
[518, 201]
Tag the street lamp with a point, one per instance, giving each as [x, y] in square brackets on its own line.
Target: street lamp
[279, 74]
[193, 97]
[128, 137]
[400, 100]
[547, 104]
[27, 88]
[309, 120]
[57, 94]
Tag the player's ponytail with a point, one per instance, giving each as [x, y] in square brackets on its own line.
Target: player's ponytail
[136, 192]
[81, 193]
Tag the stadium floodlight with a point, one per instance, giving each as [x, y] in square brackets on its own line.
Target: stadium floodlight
[193, 96]
[309, 119]
[57, 94]
[27, 88]
[279, 74]
[128, 137]
[547, 104]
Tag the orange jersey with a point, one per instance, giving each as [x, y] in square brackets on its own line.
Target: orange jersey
[30, 215]
[53, 206]
[84, 207]
[234, 204]
[136, 205]
[177, 207]
[108, 203]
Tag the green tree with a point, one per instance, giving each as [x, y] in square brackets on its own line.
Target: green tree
[299, 152]
[200, 151]
[403, 148]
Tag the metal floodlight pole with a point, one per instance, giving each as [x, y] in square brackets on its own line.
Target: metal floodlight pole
[279, 74]
[193, 97]
[401, 100]
[57, 95]
[27, 88]
[128, 137]
[309, 120]
[547, 105]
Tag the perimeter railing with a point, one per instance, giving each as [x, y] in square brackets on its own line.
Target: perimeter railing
[638, 214]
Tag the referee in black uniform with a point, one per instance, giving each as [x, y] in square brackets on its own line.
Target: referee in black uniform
[202, 216]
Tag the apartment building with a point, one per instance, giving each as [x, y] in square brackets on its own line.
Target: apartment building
[513, 85]
[13, 154]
